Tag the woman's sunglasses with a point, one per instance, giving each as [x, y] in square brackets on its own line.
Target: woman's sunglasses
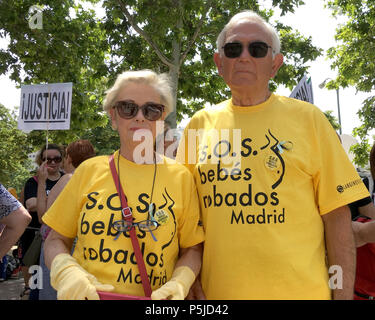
[55, 160]
[256, 49]
[128, 109]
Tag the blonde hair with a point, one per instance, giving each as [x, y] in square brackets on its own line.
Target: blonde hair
[160, 82]
[251, 16]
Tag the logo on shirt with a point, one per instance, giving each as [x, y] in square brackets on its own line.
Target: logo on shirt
[341, 188]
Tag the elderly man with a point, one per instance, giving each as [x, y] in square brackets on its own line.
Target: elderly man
[273, 182]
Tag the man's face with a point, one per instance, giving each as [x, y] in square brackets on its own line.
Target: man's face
[245, 70]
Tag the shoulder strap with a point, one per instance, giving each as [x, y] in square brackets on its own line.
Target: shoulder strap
[127, 215]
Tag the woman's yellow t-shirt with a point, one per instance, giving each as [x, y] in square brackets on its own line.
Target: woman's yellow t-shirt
[89, 205]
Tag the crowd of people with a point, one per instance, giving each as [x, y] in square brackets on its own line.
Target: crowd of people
[258, 204]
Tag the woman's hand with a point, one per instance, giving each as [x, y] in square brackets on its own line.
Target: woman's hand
[177, 287]
[42, 173]
[72, 282]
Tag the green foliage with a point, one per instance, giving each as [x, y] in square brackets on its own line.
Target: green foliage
[104, 139]
[297, 51]
[66, 49]
[179, 37]
[354, 59]
[361, 153]
[173, 36]
[14, 163]
[332, 119]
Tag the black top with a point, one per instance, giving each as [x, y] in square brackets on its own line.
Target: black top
[31, 191]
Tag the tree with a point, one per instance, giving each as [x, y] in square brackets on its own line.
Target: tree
[104, 139]
[70, 46]
[354, 59]
[179, 37]
[174, 36]
[14, 162]
[332, 119]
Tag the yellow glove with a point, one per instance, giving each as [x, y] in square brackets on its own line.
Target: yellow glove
[72, 282]
[178, 287]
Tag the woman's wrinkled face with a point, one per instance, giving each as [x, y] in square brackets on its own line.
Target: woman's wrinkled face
[130, 130]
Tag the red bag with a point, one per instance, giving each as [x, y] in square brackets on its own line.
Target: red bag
[116, 296]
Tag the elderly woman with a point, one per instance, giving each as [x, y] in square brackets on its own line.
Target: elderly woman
[135, 214]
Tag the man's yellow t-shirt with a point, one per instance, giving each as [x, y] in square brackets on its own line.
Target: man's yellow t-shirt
[89, 205]
[265, 174]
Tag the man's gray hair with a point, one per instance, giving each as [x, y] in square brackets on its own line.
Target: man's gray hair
[252, 16]
[160, 82]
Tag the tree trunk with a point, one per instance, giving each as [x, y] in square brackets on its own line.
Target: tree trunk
[174, 71]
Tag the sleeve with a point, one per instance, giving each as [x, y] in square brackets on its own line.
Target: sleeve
[190, 227]
[64, 213]
[361, 202]
[336, 181]
[354, 206]
[8, 203]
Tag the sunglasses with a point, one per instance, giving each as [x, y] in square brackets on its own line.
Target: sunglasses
[56, 160]
[256, 49]
[145, 225]
[128, 109]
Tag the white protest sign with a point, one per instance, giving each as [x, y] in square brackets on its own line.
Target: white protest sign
[45, 107]
[303, 91]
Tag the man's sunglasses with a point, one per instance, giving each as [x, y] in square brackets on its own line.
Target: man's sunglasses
[55, 160]
[256, 49]
[128, 109]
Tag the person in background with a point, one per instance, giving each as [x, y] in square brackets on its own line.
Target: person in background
[75, 153]
[273, 181]
[14, 218]
[35, 193]
[365, 207]
[161, 197]
[363, 216]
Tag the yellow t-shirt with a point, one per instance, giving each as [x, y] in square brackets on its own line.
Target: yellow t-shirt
[265, 174]
[89, 204]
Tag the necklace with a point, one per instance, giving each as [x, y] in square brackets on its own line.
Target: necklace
[151, 205]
